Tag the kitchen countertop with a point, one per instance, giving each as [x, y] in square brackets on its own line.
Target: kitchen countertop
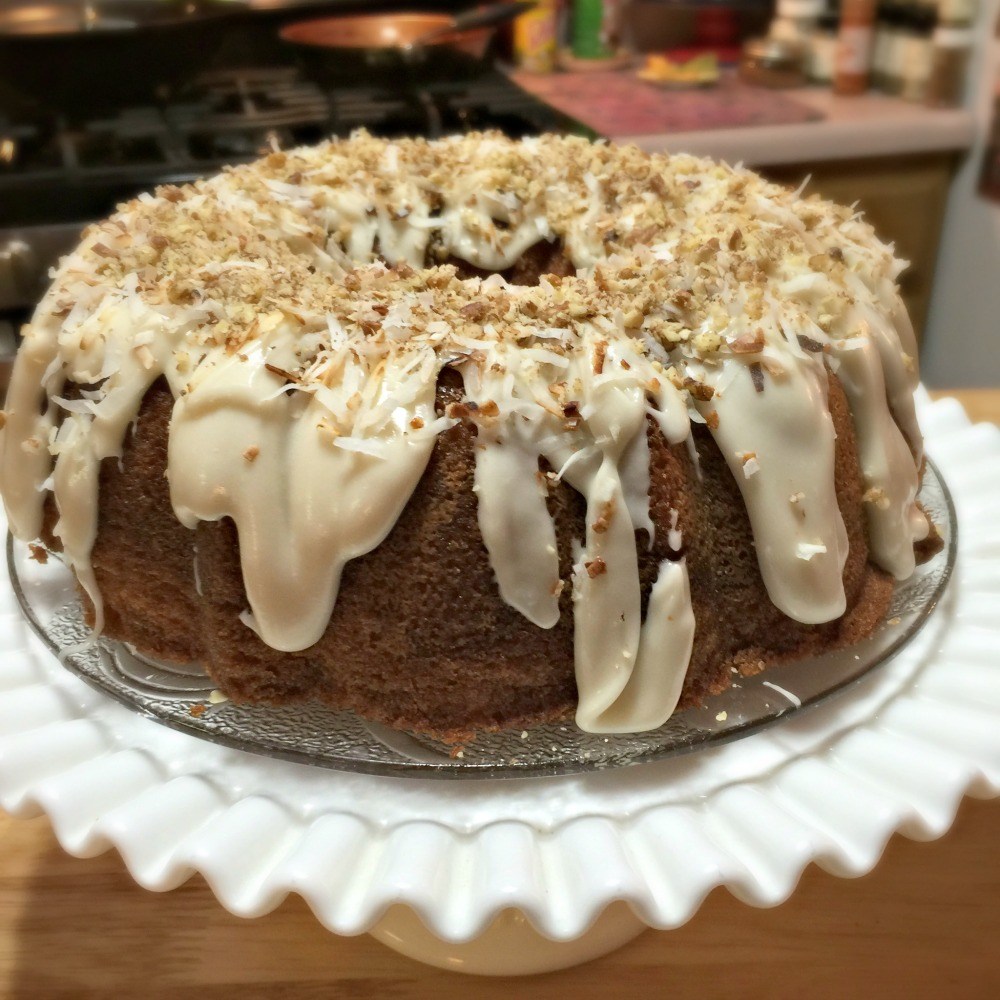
[870, 125]
[924, 923]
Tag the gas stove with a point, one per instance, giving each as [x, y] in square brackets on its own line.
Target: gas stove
[57, 175]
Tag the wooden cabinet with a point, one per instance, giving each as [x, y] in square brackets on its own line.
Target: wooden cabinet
[903, 197]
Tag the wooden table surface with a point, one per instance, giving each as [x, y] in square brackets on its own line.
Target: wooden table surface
[925, 923]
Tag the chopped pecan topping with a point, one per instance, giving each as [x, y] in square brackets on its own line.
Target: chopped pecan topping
[700, 390]
[476, 311]
[460, 411]
[646, 235]
[877, 496]
[604, 518]
[571, 411]
[600, 353]
[748, 343]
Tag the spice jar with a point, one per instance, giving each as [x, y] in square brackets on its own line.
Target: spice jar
[951, 44]
[823, 48]
[887, 63]
[595, 29]
[536, 36]
[917, 52]
[796, 20]
[854, 46]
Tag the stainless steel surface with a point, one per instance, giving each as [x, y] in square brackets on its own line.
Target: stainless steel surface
[55, 55]
[107, 16]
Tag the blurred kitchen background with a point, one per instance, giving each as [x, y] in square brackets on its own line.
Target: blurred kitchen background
[893, 105]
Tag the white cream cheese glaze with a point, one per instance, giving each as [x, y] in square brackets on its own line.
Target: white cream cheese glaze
[304, 371]
[779, 443]
[233, 455]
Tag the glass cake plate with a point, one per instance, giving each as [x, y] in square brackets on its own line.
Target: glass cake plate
[183, 696]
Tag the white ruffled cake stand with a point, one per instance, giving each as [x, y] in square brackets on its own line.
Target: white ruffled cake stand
[528, 874]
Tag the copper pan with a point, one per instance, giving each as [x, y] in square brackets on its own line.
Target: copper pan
[411, 44]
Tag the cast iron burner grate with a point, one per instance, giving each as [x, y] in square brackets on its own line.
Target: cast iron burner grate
[235, 114]
[57, 175]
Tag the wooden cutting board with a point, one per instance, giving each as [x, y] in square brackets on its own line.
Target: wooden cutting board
[923, 926]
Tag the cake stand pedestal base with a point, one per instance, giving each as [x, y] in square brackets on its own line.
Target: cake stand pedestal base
[510, 946]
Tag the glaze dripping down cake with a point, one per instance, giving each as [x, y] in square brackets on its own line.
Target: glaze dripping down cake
[474, 433]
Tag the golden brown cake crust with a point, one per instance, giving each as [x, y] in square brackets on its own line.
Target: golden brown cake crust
[420, 637]
[295, 374]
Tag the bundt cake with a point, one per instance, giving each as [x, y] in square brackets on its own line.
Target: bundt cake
[473, 433]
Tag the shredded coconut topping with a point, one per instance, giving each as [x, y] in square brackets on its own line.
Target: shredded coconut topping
[301, 309]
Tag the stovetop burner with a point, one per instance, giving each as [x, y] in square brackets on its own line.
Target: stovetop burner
[56, 175]
[232, 115]
[55, 171]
